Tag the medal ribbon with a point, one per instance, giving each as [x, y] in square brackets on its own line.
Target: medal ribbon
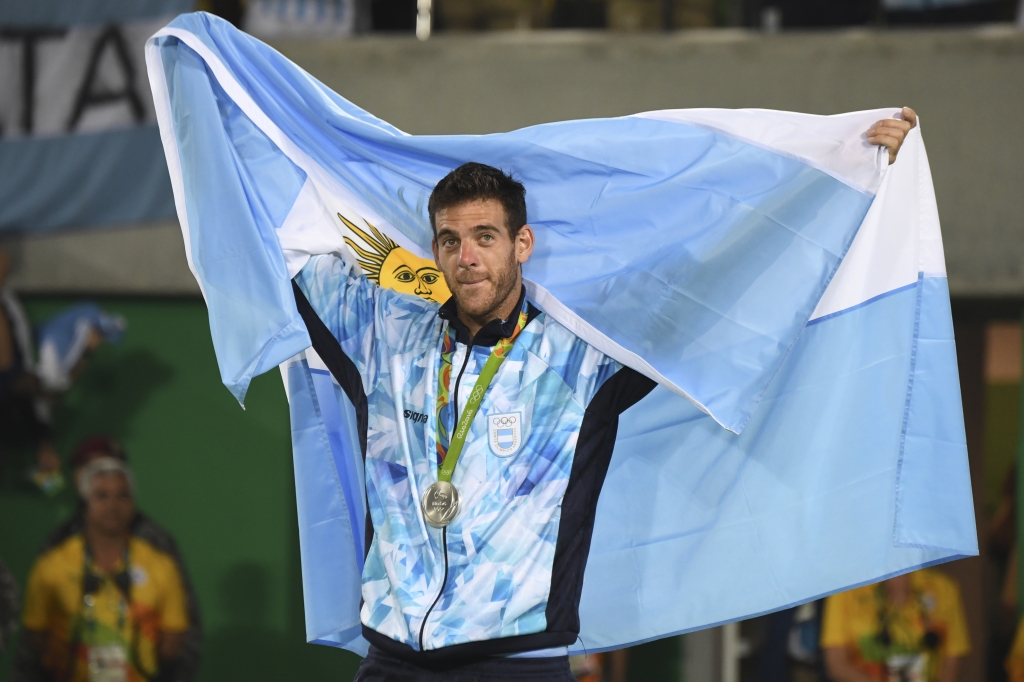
[476, 396]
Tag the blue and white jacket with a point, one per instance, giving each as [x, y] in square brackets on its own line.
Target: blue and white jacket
[507, 574]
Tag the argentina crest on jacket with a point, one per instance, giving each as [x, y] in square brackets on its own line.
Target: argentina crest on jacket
[505, 433]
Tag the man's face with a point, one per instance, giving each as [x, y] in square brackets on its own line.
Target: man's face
[110, 507]
[478, 257]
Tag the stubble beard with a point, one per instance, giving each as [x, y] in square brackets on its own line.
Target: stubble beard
[504, 283]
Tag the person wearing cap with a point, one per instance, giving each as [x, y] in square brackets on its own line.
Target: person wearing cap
[146, 529]
[104, 604]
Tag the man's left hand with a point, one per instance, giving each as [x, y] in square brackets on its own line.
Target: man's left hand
[891, 132]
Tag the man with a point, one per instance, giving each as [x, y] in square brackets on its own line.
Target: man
[104, 605]
[478, 534]
[146, 529]
[910, 628]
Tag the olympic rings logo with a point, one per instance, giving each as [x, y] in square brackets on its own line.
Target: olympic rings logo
[508, 420]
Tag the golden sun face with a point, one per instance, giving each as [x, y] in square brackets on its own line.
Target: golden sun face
[389, 265]
[410, 274]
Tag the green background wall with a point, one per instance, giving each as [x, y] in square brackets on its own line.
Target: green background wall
[217, 476]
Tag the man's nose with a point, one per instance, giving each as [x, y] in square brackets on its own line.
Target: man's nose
[467, 255]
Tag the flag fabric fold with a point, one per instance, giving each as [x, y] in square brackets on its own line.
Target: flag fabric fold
[784, 288]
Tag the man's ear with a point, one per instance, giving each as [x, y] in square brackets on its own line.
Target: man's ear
[433, 247]
[524, 243]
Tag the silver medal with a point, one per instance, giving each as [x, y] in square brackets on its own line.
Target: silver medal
[440, 504]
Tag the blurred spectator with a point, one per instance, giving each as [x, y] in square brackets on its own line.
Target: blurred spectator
[8, 607]
[29, 388]
[24, 413]
[909, 628]
[67, 341]
[1015, 661]
[103, 604]
[145, 529]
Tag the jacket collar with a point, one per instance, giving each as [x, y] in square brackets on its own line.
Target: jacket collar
[493, 331]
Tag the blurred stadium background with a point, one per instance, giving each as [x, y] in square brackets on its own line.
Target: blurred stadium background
[86, 213]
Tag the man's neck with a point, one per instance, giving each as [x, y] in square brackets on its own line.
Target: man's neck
[106, 549]
[502, 312]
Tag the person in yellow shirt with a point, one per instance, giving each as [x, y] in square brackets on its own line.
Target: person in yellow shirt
[910, 628]
[104, 606]
[1015, 660]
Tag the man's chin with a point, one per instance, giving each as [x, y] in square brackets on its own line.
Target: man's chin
[476, 313]
[475, 303]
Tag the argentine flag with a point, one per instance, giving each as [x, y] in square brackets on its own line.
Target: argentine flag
[782, 285]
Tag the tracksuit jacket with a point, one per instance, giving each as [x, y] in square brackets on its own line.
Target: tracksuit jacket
[506, 575]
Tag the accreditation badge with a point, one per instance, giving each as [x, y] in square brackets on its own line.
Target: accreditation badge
[505, 433]
[108, 663]
[907, 668]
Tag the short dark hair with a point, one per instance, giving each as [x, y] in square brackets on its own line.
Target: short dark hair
[475, 181]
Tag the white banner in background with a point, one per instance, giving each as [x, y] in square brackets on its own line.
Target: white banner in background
[77, 80]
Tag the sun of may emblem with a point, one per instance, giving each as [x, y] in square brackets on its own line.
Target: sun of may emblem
[389, 265]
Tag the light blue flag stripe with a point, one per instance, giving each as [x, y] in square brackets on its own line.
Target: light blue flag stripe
[935, 508]
[253, 319]
[329, 532]
[801, 504]
[340, 423]
[630, 213]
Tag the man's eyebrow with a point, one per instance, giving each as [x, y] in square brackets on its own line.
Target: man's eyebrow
[482, 227]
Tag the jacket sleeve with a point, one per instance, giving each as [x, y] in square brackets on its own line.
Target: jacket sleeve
[346, 301]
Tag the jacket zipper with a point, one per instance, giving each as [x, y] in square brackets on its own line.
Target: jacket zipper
[444, 531]
[444, 581]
